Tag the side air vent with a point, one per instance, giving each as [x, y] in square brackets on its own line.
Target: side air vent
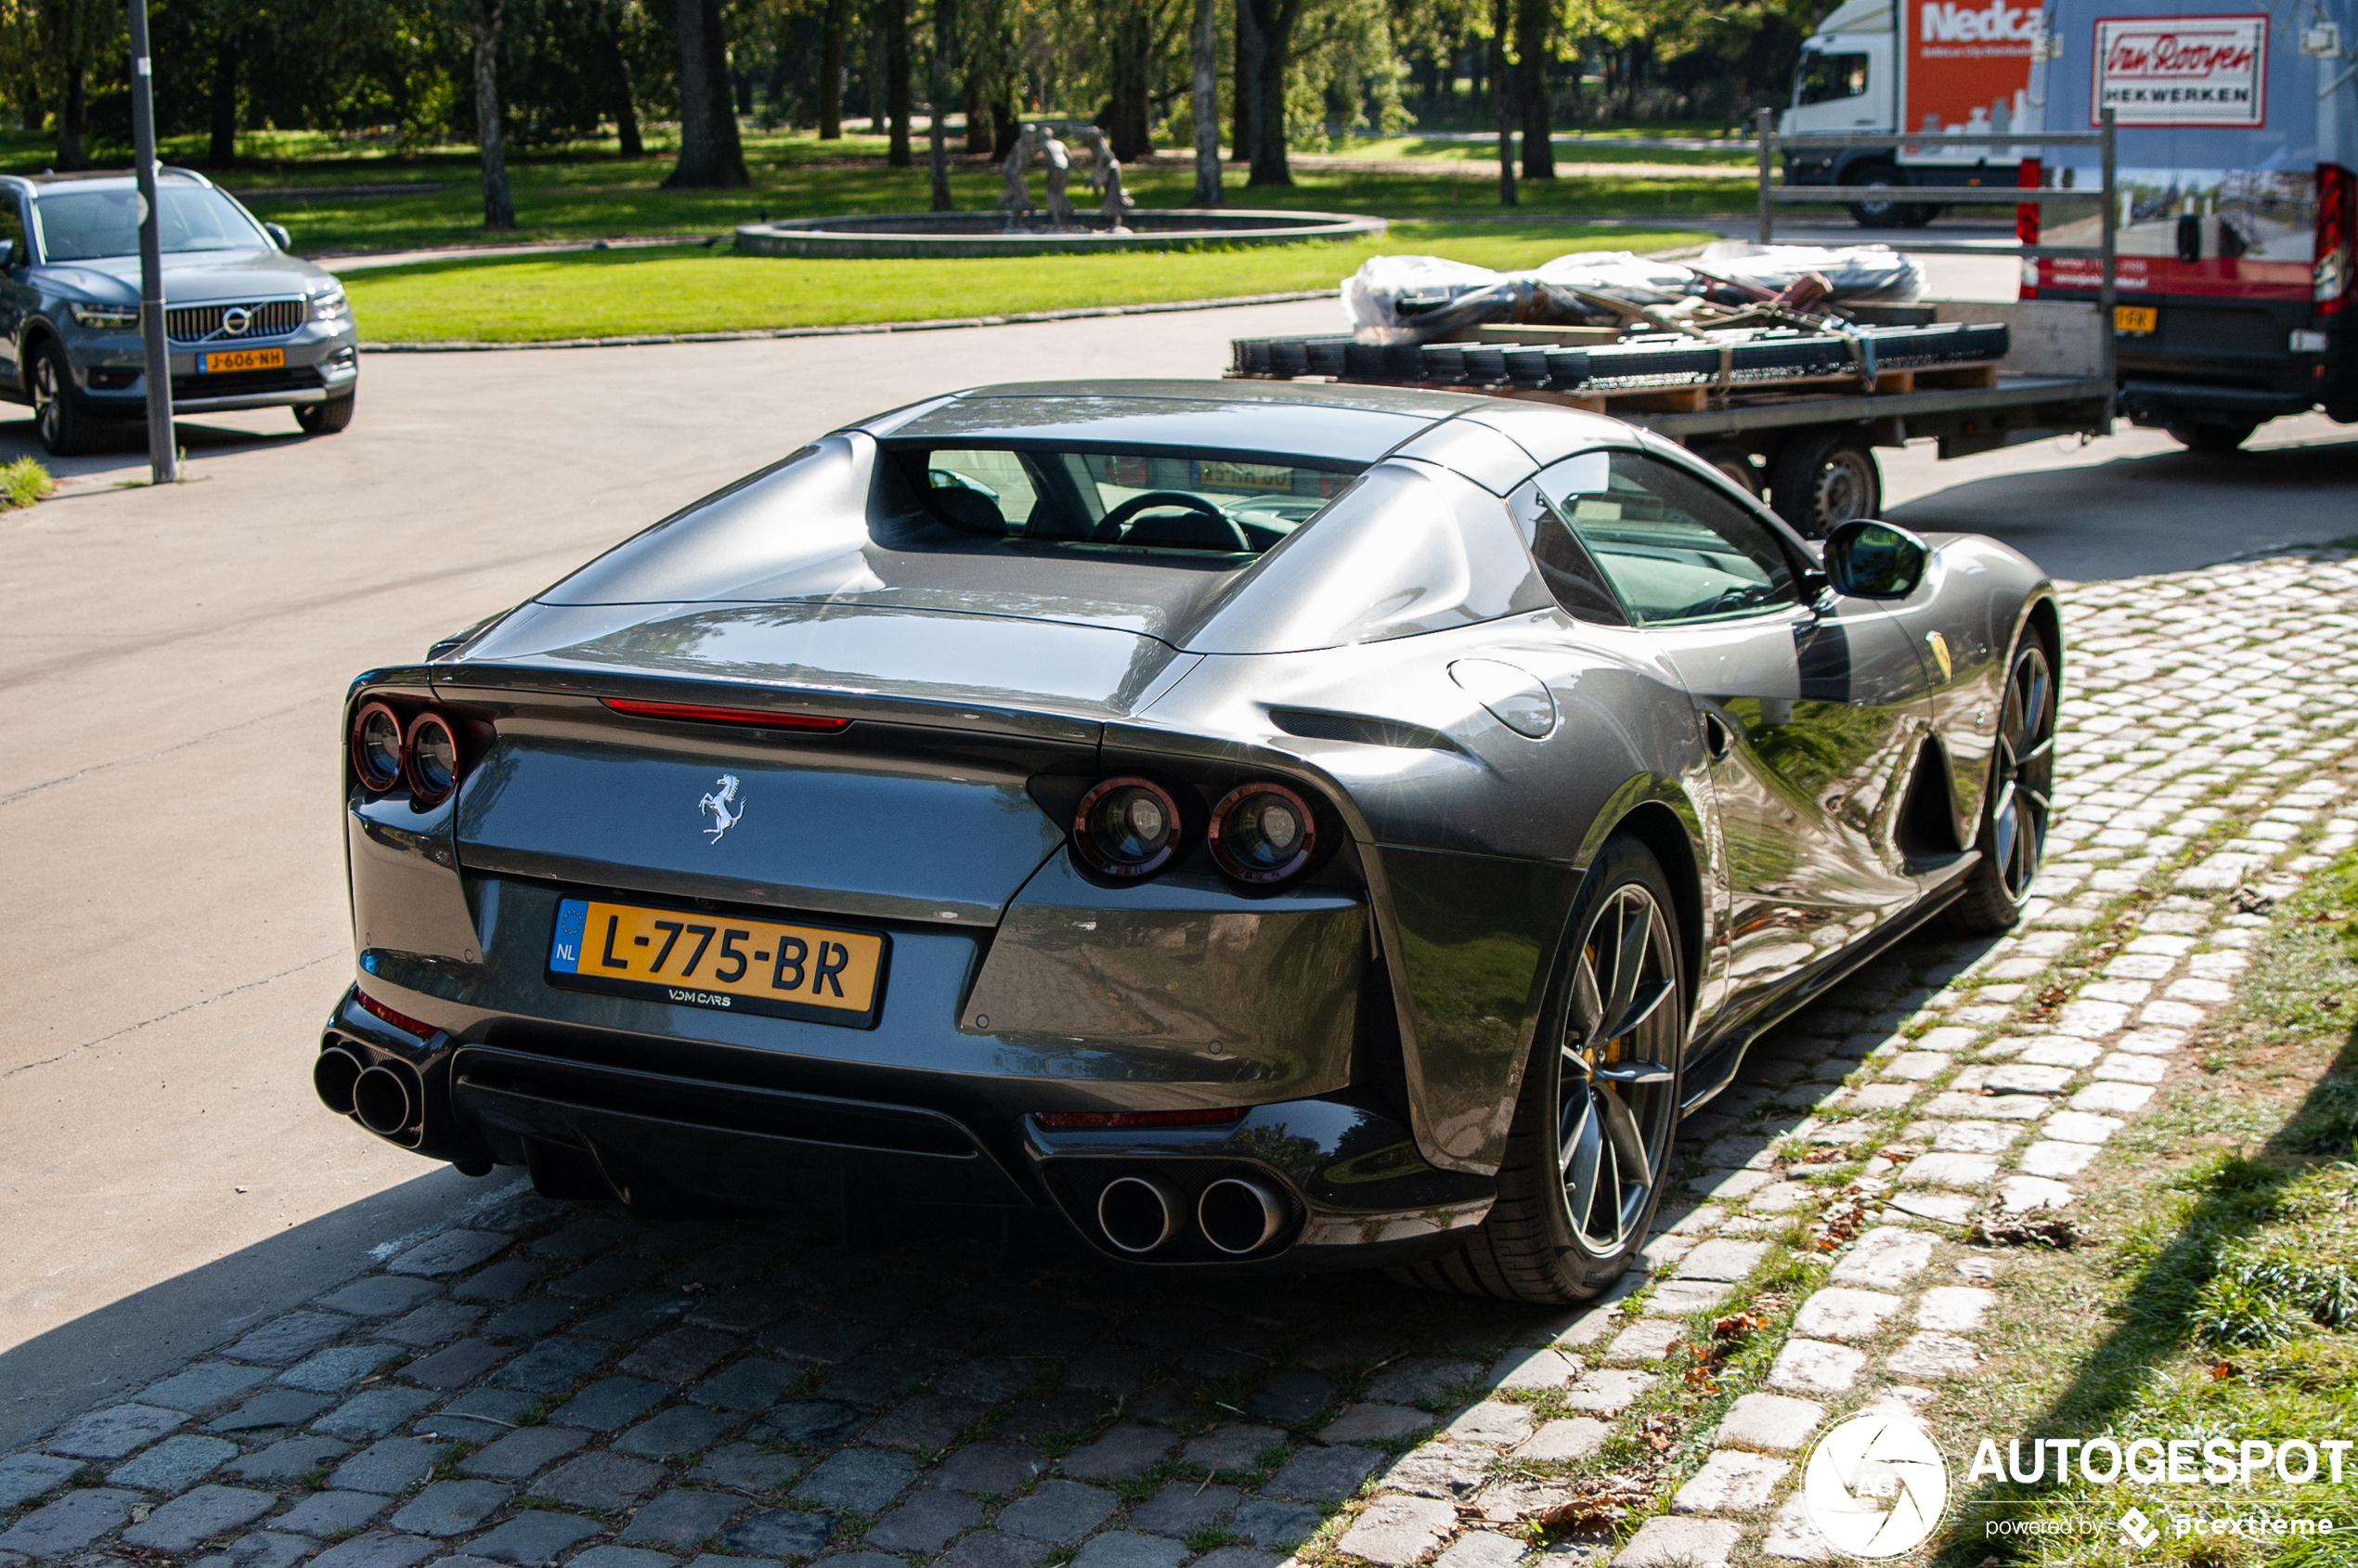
[1316, 725]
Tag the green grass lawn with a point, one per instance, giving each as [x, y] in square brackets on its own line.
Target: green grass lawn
[586, 190]
[606, 293]
[1414, 146]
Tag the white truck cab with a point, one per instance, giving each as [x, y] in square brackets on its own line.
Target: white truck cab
[1929, 67]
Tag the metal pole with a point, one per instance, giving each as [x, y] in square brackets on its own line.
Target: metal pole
[1763, 121]
[2109, 292]
[163, 456]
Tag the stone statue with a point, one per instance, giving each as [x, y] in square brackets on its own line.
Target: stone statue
[1105, 175]
[1016, 199]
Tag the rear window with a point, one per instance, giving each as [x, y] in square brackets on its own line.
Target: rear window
[1192, 503]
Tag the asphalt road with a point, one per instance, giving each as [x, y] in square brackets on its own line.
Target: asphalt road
[171, 667]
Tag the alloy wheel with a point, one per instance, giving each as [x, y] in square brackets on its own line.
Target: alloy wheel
[46, 398]
[2023, 777]
[1617, 1082]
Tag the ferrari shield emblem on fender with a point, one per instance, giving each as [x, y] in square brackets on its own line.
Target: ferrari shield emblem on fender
[1933, 640]
[718, 804]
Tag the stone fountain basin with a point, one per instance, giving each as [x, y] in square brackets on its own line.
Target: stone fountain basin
[904, 236]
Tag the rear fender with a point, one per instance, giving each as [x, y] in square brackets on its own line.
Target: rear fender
[1473, 836]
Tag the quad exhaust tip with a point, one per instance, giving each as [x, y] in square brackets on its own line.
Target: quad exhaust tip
[1239, 1216]
[1138, 1213]
[333, 1077]
[384, 1100]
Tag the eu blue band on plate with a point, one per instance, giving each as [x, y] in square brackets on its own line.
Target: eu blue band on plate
[564, 949]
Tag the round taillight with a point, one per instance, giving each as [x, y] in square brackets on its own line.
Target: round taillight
[1262, 833]
[376, 746]
[431, 760]
[1126, 828]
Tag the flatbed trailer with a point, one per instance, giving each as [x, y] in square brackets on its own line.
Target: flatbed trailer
[1808, 445]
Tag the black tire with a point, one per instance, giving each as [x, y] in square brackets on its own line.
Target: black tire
[1883, 214]
[66, 427]
[1919, 216]
[1820, 478]
[326, 419]
[2212, 437]
[2014, 808]
[1588, 1152]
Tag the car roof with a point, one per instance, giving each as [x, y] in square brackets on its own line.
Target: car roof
[49, 178]
[1310, 420]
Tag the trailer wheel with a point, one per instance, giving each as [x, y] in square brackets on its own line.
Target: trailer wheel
[1886, 214]
[1825, 477]
[1736, 465]
[2212, 437]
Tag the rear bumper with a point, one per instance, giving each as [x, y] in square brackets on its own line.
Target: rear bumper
[2225, 358]
[1354, 1189]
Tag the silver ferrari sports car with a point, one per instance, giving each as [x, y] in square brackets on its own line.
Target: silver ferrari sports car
[1265, 825]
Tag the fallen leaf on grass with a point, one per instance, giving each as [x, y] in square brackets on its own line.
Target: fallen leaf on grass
[2223, 1371]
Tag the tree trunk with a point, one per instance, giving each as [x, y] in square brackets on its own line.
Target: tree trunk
[1132, 44]
[222, 151]
[626, 110]
[937, 102]
[1498, 98]
[73, 118]
[1532, 43]
[1273, 23]
[896, 46]
[1204, 105]
[977, 117]
[831, 72]
[1240, 87]
[710, 153]
[484, 20]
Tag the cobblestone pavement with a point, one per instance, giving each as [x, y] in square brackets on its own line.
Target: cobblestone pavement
[543, 1383]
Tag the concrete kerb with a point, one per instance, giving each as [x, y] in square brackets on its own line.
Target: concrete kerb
[936, 324]
[925, 236]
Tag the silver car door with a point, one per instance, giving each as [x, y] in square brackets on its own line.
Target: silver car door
[1804, 706]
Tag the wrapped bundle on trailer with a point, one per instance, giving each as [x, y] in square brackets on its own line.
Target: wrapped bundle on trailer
[1786, 390]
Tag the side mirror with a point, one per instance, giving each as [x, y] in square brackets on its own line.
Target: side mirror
[1870, 560]
[7, 254]
[278, 233]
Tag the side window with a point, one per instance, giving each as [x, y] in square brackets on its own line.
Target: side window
[1828, 78]
[12, 230]
[1570, 572]
[1674, 549]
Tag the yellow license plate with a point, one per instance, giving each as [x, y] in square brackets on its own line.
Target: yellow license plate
[2139, 318]
[227, 359]
[720, 961]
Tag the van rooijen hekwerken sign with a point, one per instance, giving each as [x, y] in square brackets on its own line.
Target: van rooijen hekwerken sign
[2183, 71]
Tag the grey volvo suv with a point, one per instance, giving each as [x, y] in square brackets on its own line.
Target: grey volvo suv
[248, 325]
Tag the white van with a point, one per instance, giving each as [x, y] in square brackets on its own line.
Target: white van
[2237, 134]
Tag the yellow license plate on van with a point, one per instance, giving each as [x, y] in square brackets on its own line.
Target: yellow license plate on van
[221, 361]
[2137, 319]
[692, 959]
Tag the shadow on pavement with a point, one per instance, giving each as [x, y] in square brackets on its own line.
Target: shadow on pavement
[1225, 1335]
[110, 1352]
[2190, 509]
[122, 456]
